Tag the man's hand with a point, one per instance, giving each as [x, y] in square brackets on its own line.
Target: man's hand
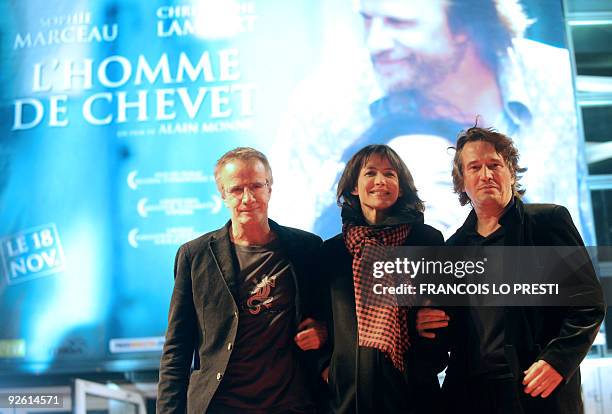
[311, 334]
[430, 318]
[541, 379]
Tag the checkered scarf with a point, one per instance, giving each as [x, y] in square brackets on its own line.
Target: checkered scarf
[383, 326]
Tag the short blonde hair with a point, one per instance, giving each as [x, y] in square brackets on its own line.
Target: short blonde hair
[243, 154]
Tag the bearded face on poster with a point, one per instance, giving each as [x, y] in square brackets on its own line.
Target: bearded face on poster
[436, 68]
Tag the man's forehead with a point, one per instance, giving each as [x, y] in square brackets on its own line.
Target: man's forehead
[402, 9]
[480, 150]
[241, 168]
[238, 165]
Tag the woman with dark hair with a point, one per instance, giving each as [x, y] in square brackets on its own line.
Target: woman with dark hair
[378, 364]
[418, 142]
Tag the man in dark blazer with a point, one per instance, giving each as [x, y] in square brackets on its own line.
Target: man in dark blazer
[512, 359]
[240, 306]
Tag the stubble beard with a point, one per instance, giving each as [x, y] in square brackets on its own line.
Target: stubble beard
[419, 74]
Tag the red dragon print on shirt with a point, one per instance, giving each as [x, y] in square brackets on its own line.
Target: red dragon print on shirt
[260, 295]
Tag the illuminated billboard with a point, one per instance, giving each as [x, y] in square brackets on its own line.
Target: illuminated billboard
[114, 112]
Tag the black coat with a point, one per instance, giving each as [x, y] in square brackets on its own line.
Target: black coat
[561, 336]
[203, 317]
[358, 380]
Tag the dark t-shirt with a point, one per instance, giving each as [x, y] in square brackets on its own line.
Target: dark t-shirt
[486, 324]
[263, 372]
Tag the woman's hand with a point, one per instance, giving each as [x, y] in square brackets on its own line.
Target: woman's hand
[430, 318]
[325, 375]
[311, 334]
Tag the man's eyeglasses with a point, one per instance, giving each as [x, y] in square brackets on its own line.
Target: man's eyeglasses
[237, 191]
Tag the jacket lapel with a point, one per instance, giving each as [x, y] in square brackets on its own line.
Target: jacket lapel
[221, 250]
[287, 243]
[292, 250]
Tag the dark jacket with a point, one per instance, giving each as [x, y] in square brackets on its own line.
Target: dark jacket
[356, 381]
[203, 317]
[561, 336]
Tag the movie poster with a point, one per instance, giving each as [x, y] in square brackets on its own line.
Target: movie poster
[114, 113]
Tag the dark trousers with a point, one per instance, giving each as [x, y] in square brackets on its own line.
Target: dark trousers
[381, 388]
[484, 396]
[220, 409]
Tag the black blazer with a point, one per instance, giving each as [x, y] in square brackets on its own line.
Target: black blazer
[561, 336]
[355, 383]
[203, 317]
